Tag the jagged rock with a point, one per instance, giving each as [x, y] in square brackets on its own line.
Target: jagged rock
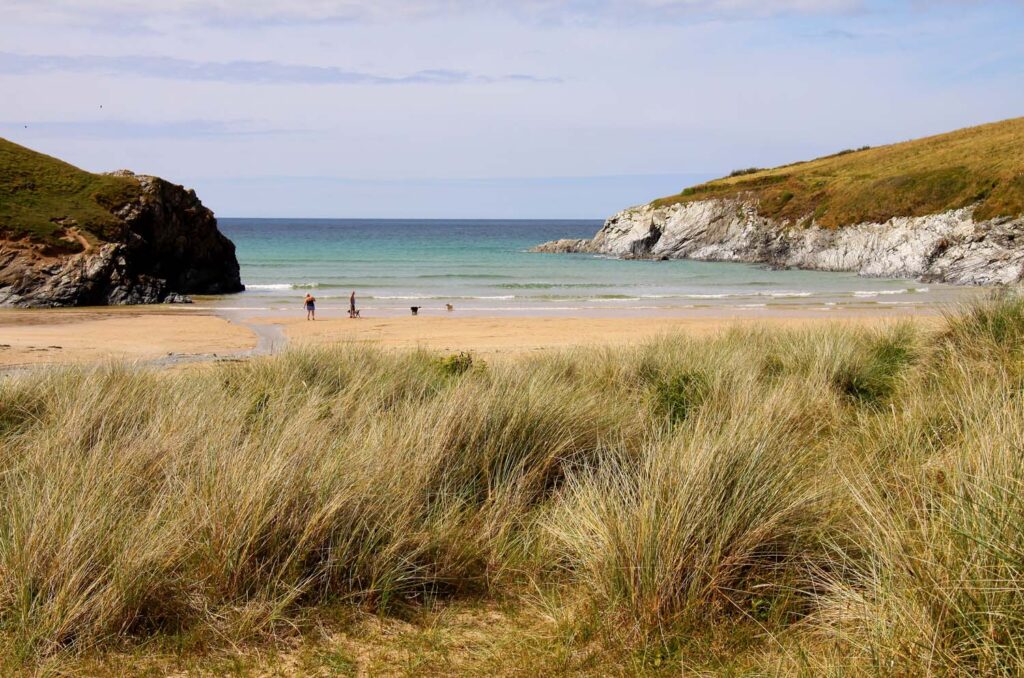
[175, 298]
[948, 247]
[168, 246]
[564, 246]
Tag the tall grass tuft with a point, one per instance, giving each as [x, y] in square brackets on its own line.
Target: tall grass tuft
[852, 495]
[719, 519]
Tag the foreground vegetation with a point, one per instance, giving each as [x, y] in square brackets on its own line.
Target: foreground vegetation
[978, 166]
[829, 501]
[38, 194]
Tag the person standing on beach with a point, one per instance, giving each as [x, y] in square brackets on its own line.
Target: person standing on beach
[352, 305]
[310, 304]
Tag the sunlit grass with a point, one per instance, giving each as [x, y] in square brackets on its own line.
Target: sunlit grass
[38, 192]
[831, 500]
[980, 167]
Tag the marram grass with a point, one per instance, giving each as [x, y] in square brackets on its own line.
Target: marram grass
[850, 497]
[977, 167]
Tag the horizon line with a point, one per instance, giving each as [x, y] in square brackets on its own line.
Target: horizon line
[418, 218]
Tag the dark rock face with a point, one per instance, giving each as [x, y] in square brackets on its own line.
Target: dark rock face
[169, 246]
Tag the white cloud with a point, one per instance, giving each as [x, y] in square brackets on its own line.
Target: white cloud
[252, 72]
[300, 11]
[128, 129]
[243, 90]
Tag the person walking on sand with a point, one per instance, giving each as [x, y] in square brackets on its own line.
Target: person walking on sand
[352, 312]
[310, 304]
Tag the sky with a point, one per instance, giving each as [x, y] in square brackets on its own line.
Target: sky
[488, 108]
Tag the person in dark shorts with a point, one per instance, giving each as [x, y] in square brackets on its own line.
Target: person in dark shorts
[352, 312]
[310, 304]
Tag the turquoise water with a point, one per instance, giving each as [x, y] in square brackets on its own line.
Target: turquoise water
[483, 267]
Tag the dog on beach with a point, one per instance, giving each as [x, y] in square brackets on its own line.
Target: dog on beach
[449, 307]
[415, 310]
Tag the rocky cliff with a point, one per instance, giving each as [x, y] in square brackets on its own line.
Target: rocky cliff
[159, 244]
[948, 247]
[944, 208]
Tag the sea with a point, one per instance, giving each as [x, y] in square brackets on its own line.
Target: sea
[484, 267]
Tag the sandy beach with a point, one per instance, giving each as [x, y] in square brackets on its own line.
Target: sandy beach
[57, 336]
[514, 336]
[45, 336]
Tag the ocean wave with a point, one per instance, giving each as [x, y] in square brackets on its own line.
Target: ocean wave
[784, 295]
[682, 295]
[729, 295]
[421, 297]
[249, 287]
[867, 294]
[548, 309]
[534, 292]
[278, 287]
[551, 285]
[471, 276]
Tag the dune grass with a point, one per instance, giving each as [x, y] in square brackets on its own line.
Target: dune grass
[828, 501]
[38, 194]
[977, 166]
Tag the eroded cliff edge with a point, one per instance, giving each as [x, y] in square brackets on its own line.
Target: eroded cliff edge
[159, 244]
[947, 247]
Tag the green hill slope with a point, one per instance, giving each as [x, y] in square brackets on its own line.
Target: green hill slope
[981, 166]
[39, 193]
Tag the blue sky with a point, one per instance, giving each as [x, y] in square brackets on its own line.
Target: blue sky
[458, 108]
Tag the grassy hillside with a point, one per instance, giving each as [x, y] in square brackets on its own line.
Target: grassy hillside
[978, 165]
[835, 501]
[37, 191]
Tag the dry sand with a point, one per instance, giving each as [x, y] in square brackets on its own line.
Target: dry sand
[32, 337]
[517, 335]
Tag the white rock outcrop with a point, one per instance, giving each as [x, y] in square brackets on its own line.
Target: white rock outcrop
[949, 247]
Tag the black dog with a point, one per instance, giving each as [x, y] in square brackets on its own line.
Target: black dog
[415, 310]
